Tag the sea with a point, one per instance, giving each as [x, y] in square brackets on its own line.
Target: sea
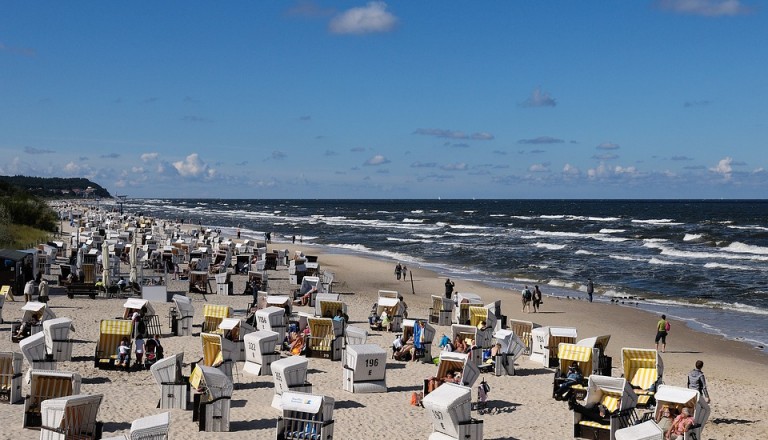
[703, 262]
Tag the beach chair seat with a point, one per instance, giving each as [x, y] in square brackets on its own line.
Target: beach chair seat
[618, 398]
[71, 417]
[643, 369]
[585, 357]
[111, 333]
[47, 385]
[679, 397]
[10, 377]
[213, 315]
[217, 352]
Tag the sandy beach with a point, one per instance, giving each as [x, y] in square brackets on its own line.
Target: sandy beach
[521, 406]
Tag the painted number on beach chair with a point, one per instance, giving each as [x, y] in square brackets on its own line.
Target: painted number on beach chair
[371, 363]
[251, 346]
[262, 320]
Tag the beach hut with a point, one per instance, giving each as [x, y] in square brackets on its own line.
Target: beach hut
[70, 417]
[10, 377]
[155, 427]
[604, 362]
[617, 396]
[235, 330]
[58, 344]
[365, 369]
[644, 370]
[45, 385]
[587, 359]
[441, 311]
[218, 352]
[305, 416]
[389, 302]
[452, 367]
[111, 333]
[323, 341]
[289, 374]
[678, 398]
[181, 315]
[213, 314]
[212, 400]
[426, 338]
[35, 313]
[546, 341]
[648, 430]
[449, 407]
[473, 337]
[34, 351]
[272, 319]
[464, 301]
[511, 349]
[260, 352]
[523, 330]
[174, 387]
[328, 303]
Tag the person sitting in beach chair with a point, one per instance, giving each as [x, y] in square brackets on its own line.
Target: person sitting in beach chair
[295, 344]
[26, 326]
[403, 350]
[123, 351]
[572, 378]
[304, 299]
[597, 413]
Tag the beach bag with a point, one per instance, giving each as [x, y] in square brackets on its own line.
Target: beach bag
[667, 326]
[527, 295]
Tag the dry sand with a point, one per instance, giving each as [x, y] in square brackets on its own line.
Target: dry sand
[521, 406]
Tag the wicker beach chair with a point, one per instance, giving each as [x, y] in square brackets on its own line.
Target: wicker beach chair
[71, 417]
[586, 358]
[322, 340]
[183, 315]
[261, 352]
[449, 408]
[424, 346]
[272, 319]
[546, 341]
[441, 311]
[618, 398]
[305, 416]
[473, 338]
[34, 351]
[289, 374]
[212, 401]
[235, 330]
[155, 427]
[449, 365]
[212, 316]
[174, 387]
[46, 385]
[464, 301]
[58, 343]
[111, 333]
[218, 352]
[10, 377]
[604, 362]
[365, 369]
[679, 397]
[511, 349]
[523, 330]
[644, 371]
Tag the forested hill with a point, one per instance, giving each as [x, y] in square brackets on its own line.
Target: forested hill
[53, 187]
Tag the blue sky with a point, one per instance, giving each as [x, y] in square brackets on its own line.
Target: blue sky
[396, 99]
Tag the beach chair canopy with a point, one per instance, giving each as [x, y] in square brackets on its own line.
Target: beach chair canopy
[259, 343]
[330, 308]
[482, 313]
[217, 311]
[215, 350]
[168, 369]
[355, 335]
[215, 382]
[184, 306]
[33, 347]
[613, 392]
[138, 304]
[644, 431]
[369, 361]
[308, 404]
[389, 294]
[289, 372]
[56, 330]
[322, 297]
[680, 397]
[599, 342]
[642, 368]
[468, 298]
[46, 384]
[151, 427]
[448, 406]
[271, 318]
[510, 342]
[451, 362]
[37, 308]
[229, 323]
[308, 283]
[75, 416]
[392, 306]
[583, 355]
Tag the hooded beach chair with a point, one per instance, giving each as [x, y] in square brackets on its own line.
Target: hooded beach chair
[328, 308]
[174, 387]
[478, 314]
[604, 362]
[272, 319]
[289, 374]
[449, 407]
[464, 301]
[58, 343]
[182, 316]
[473, 337]
[322, 340]
[644, 370]
[441, 311]
[212, 400]
[389, 302]
[546, 341]
[422, 341]
[305, 416]
[587, 359]
[511, 349]
[678, 398]
[154, 427]
[282, 301]
[45, 385]
[648, 430]
[32, 309]
[365, 369]
[212, 316]
[449, 365]
[320, 298]
[218, 352]
[34, 351]
[260, 352]
[523, 330]
[10, 376]
[308, 283]
[111, 333]
[235, 330]
[617, 396]
[150, 319]
[71, 417]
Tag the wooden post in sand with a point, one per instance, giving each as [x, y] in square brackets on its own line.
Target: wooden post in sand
[413, 290]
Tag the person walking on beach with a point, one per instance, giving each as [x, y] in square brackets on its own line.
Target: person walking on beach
[527, 296]
[293, 239]
[662, 328]
[449, 285]
[405, 271]
[398, 271]
[697, 381]
[590, 288]
[536, 299]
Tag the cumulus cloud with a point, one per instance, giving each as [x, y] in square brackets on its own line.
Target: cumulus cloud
[371, 18]
[570, 170]
[33, 150]
[453, 134]
[192, 166]
[539, 98]
[724, 168]
[608, 146]
[376, 160]
[539, 168]
[146, 157]
[461, 166]
[707, 8]
[137, 170]
[541, 140]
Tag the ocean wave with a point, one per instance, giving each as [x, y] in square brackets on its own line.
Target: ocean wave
[428, 235]
[692, 237]
[552, 217]
[550, 246]
[664, 262]
[612, 231]
[658, 221]
[468, 227]
[366, 250]
[626, 258]
[755, 228]
[521, 217]
[417, 211]
[584, 252]
[604, 219]
[413, 220]
[728, 266]
[743, 248]
[738, 307]
[497, 215]
[409, 240]
[671, 252]
[600, 237]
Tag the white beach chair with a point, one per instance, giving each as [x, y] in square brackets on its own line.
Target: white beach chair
[523, 330]
[451, 363]
[648, 430]
[323, 341]
[34, 351]
[322, 298]
[441, 311]
[546, 341]
[111, 333]
[235, 330]
[30, 309]
[365, 369]
[58, 343]
[151, 320]
[604, 362]
[10, 377]
[272, 319]
[449, 408]
[47, 385]
[183, 315]
[305, 416]
[174, 387]
[477, 314]
[70, 417]
[473, 337]
[679, 397]
[155, 427]
[427, 337]
[289, 374]
[617, 396]
[260, 352]
[464, 301]
[511, 349]
[215, 393]
[389, 302]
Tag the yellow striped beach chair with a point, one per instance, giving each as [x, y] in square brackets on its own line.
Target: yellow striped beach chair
[213, 314]
[46, 385]
[328, 309]
[111, 332]
[322, 341]
[643, 369]
[523, 330]
[10, 377]
[617, 396]
[584, 357]
[217, 352]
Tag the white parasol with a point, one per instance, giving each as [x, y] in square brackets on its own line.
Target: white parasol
[105, 264]
[134, 277]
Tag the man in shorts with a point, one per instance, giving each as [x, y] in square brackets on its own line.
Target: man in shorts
[662, 327]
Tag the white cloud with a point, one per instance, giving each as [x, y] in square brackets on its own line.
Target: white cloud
[72, 167]
[192, 166]
[724, 168]
[758, 170]
[570, 170]
[137, 169]
[376, 160]
[707, 8]
[370, 18]
[539, 98]
[146, 157]
[539, 168]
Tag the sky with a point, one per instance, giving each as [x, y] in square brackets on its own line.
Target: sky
[389, 99]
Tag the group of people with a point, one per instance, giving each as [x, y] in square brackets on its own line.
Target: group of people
[401, 271]
[529, 297]
[146, 352]
[410, 348]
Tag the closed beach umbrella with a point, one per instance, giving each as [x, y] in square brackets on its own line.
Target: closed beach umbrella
[105, 263]
[134, 277]
[80, 256]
